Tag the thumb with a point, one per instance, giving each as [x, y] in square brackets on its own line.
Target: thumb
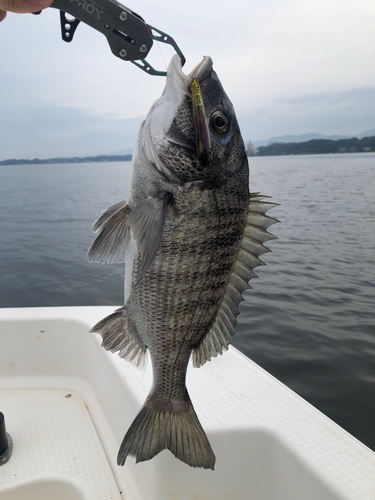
[23, 6]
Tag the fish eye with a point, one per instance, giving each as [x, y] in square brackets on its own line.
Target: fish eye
[219, 122]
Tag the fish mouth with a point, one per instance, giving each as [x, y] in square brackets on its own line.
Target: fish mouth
[192, 86]
[202, 70]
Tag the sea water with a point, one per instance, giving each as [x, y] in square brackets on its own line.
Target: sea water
[309, 319]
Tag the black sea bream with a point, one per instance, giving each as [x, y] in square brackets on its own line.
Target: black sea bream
[190, 236]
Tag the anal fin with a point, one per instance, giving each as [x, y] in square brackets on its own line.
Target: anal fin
[120, 335]
[220, 334]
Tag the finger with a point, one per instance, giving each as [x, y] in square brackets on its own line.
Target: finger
[2, 15]
[24, 6]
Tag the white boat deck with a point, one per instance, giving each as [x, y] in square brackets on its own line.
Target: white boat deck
[269, 443]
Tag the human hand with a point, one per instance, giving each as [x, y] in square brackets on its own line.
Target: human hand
[22, 6]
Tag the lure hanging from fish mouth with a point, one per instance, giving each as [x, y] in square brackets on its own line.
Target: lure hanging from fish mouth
[202, 134]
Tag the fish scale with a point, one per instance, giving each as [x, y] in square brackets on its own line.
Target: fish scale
[210, 265]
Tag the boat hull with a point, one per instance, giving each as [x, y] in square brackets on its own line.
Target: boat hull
[56, 380]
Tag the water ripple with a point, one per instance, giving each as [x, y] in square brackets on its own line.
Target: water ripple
[309, 319]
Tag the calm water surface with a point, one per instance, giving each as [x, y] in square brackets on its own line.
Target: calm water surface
[310, 318]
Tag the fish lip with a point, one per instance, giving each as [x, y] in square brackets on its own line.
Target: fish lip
[202, 70]
[175, 70]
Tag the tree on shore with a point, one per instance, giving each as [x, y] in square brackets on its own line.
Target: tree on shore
[314, 147]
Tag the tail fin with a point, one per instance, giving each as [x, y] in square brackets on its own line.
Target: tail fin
[161, 425]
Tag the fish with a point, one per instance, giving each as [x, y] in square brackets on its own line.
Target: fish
[190, 235]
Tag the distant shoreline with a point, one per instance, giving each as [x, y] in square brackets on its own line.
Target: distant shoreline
[312, 147]
[53, 161]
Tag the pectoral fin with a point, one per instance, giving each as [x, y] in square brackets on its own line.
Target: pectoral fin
[107, 214]
[147, 222]
[113, 238]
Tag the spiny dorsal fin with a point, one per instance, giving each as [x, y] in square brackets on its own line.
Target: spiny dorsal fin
[262, 207]
[260, 220]
[220, 334]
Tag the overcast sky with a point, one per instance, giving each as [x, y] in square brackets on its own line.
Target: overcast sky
[289, 67]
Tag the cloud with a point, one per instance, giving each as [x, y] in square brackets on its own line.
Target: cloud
[276, 60]
[344, 112]
[31, 131]
[45, 132]
[354, 98]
